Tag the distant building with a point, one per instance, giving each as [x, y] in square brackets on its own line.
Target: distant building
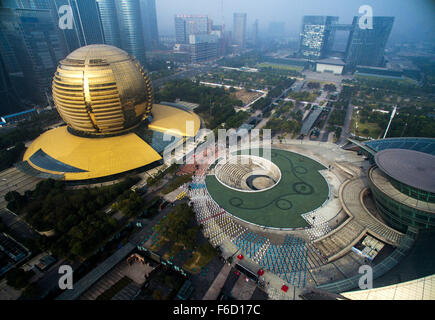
[239, 29]
[109, 21]
[255, 33]
[186, 25]
[331, 65]
[316, 36]
[366, 46]
[149, 22]
[203, 47]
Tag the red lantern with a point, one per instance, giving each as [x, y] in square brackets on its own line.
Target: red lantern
[260, 272]
[240, 256]
[284, 288]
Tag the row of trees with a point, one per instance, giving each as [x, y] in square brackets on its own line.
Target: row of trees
[76, 216]
[179, 227]
[216, 105]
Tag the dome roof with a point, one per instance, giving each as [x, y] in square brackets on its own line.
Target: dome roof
[413, 168]
[101, 89]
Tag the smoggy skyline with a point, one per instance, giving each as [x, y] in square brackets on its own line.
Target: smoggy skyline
[413, 18]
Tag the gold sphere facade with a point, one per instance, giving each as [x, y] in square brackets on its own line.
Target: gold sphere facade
[101, 90]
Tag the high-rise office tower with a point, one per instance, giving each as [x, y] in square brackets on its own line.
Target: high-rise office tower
[239, 29]
[149, 22]
[130, 26]
[186, 25]
[9, 101]
[87, 21]
[69, 36]
[86, 25]
[109, 21]
[31, 41]
[255, 33]
[366, 46]
[317, 36]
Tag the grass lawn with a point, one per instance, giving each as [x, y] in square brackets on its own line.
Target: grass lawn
[301, 189]
[374, 130]
[196, 262]
[279, 66]
[374, 77]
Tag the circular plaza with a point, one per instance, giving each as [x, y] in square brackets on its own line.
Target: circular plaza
[273, 195]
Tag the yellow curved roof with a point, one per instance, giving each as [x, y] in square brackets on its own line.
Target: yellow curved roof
[100, 157]
[174, 121]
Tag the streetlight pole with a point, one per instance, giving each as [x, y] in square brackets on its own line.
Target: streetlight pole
[393, 113]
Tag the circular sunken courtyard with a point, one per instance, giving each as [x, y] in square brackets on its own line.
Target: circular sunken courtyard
[273, 193]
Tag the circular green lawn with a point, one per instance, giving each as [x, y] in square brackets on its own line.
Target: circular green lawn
[301, 189]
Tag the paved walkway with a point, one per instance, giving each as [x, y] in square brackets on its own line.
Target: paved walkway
[218, 283]
[243, 290]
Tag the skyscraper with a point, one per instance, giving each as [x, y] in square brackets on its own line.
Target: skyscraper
[317, 36]
[366, 46]
[9, 101]
[87, 21]
[239, 29]
[130, 26]
[186, 25]
[255, 33]
[86, 27]
[149, 22]
[31, 41]
[109, 21]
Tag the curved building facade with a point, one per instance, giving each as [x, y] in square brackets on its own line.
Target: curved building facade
[403, 186]
[106, 99]
[101, 90]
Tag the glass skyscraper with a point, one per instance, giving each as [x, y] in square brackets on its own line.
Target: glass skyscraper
[109, 21]
[30, 40]
[86, 29]
[87, 22]
[130, 26]
[149, 22]
[9, 101]
[366, 46]
[239, 29]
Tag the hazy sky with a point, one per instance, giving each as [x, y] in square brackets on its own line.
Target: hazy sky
[414, 18]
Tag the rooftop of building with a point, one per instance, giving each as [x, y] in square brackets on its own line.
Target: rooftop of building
[413, 168]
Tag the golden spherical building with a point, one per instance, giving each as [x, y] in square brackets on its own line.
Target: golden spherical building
[100, 89]
[112, 126]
